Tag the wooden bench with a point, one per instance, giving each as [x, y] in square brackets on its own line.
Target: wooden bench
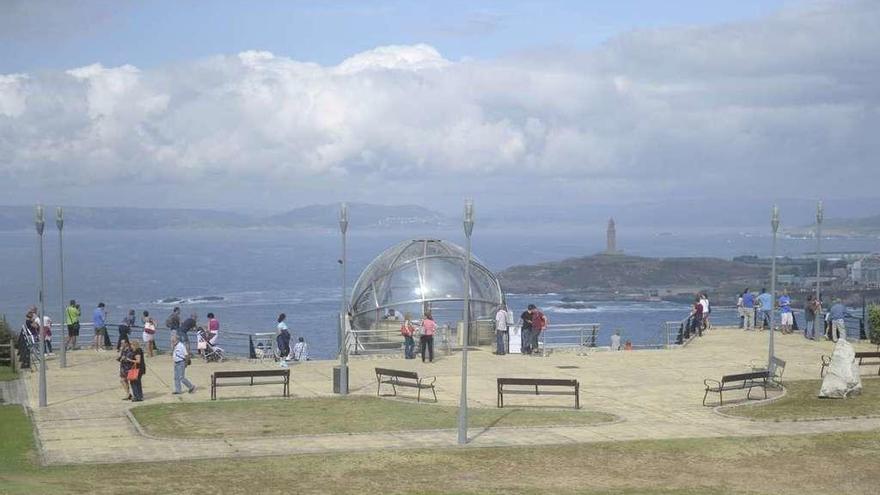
[284, 374]
[400, 378]
[861, 356]
[538, 383]
[740, 381]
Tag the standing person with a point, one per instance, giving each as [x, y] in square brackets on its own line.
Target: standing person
[137, 361]
[740, 311]
[500, 330]
[282, 339]
[819, 324]
[99, 319]
[213, 329]
[149, 333]
[427, 338]
[615, 341]
[409, 343]
[172, 323]
[188, 325]
[526, 330]
[47, 333]
[810, 317]
[704, 301]
[180, 358]
[748, 308]
[837, 315]
[125, 358]
[697, 317]
[765, 303]
[125, 328]
[301, 350]
[786, 318]
[71, 319]
[539, 324]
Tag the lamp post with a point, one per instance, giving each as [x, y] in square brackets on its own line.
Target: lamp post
[59, 221]
[820, 215]
[462, 404]
[774, 222]
[40, 223]
[343, 351]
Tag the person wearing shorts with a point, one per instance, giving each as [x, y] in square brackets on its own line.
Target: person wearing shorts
[71, 319]
[786, 317]
[99, 318]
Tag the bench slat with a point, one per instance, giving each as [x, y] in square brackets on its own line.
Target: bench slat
[250, 373]
[537, 381]
[754, 375]
[399, 373]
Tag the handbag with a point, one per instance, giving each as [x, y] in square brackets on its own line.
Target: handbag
[133, 374]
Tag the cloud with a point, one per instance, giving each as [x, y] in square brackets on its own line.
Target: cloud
[787, 102]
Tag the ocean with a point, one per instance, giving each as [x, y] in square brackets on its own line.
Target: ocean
[247, 277]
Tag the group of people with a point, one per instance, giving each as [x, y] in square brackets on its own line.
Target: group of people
[299, 351]
[410, 328]
[533, 322]
[699, 317]
[756, 311]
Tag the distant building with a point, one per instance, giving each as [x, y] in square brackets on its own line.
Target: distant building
[611, 238]
[866, 270]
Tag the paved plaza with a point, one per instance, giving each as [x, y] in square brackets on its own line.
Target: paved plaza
[655, 394]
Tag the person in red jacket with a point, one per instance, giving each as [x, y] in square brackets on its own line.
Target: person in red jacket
[539, 324]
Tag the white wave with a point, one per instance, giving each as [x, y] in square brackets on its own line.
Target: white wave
[554, 309]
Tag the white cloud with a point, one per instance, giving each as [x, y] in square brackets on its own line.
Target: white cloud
[787, 100]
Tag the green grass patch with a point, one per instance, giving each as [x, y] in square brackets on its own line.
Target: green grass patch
[693, 466]
[6, 374]
[801, 402]
[355, 414]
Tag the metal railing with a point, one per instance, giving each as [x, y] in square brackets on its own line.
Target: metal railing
[679, 333]
[389, 341]
[569, 335]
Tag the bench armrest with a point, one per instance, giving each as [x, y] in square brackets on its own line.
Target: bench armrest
[826, 360]
[708, 382]
[426, 378]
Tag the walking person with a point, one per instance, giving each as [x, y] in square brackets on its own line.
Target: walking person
[71, 319]
[539, 325]
[526, 330]
[125, 358]
[181, 360]
[140, 364]
[500, 330]
[282, 338]
[427, 338]
[99, 319]
[409, 343]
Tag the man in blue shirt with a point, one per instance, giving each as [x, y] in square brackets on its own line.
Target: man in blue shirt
[748, 308]
[99, 318]
[765, 302]
[786, 317]
[837, 314]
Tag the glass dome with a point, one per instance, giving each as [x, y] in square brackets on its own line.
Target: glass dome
[419, 275]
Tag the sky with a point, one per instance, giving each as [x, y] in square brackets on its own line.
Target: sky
[271, 105]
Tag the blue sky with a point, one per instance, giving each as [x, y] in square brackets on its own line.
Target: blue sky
[61, 35]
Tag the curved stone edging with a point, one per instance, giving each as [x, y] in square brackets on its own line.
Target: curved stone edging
[763, 402]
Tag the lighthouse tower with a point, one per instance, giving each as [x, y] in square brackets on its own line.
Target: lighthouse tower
[611, 241]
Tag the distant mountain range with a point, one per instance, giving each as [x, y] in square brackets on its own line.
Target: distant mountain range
[362, 216]
[843, 226]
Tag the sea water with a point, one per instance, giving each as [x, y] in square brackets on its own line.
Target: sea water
[248, 276]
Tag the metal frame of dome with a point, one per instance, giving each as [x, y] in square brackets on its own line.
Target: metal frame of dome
[421, 253]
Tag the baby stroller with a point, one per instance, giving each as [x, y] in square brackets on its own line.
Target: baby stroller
[209, 350]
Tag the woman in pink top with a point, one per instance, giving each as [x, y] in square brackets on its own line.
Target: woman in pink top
[213, 328]
[427, 338]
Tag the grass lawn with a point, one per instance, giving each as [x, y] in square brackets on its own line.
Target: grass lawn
[800, 402]
[698, 466]
[6, 374]
[273, 417]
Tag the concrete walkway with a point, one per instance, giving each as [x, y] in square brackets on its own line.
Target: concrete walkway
[657, 395]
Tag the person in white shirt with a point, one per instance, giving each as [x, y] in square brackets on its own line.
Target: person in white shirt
[704, 301]
[301, 350]
[47, 333]
[615, 341]
[180, 356]
[500, 330]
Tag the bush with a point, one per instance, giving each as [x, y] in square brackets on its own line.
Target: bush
[874, 323]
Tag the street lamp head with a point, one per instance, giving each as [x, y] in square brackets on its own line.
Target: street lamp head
[343, 217]
[59, 218]
[39, 221]
[468, 217]
[774, 221]
[820, 212]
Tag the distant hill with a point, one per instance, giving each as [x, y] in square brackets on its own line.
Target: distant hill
[606, 272]
[366, 216]
[844, 226]
[362, 215]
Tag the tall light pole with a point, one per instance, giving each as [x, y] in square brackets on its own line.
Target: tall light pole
[40, 223]
[59, 221]
[343, 351]
[463, 402]
[820, 215]
[774, 222]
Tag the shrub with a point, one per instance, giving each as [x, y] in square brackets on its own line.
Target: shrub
[874, 323]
